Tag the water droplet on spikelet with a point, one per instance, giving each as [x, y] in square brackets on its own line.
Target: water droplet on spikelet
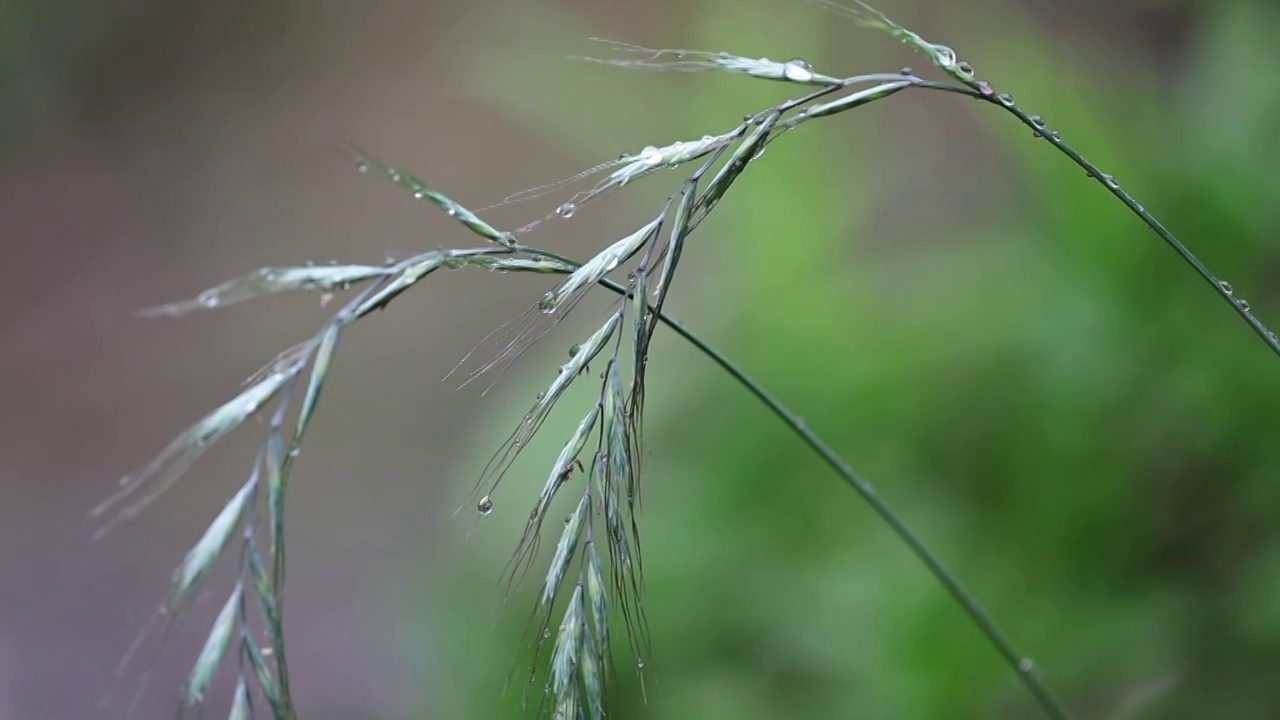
[485, 506]
[566, 210]
[1226, 287]
[798, 70]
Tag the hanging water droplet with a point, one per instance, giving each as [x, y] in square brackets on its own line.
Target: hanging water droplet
[566, 210]
[798, 70]
[362, 166]
[759, 151]
[485, 506]
[1055, 135]
[906, 71]
[573, 350]
[1244, 304]
[1005, 99]
[1037, 121]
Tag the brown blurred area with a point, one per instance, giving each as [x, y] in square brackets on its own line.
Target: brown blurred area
[152, 149]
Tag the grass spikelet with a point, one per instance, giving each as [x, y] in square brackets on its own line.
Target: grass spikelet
[169, 466]
[419, 190]
[271, 280]
[793, 71]
[328, 344]
[565, 295]
[546, 401]
[210, 546]
[940, 55]
[210, 658]
[565, 657]
[241, 705]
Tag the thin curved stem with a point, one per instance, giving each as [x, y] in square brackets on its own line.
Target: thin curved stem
[1021, 664]
[1038, 126]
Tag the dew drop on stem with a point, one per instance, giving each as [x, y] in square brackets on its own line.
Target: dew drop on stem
[1005, 99]
[1037, 121]
[362, 166]
[1244, 304]
[566, 210]
[906, 71]
[1226, 287]
[485, 506]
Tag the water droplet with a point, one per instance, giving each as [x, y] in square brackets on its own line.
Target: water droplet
[528, 419]
[906, 71]
[1037, 121]
[965, 68]
[209, 299]
[573, 350]
[985, 88]
[1226, 287]
[451, 211]
[567, 520]
[1026, 665]
[419, 194]
[1005, 99]
[485, 506]
[546, 632]
[362, 166]
[542, 396]
[640, 662]
[1055, 135]
[798, 70]
[1244, 304]
[394, 175]
[759, 151]
[295, 452]
[566, 210]
[651, 155]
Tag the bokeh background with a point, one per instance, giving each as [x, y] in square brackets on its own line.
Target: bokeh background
[1079, 427]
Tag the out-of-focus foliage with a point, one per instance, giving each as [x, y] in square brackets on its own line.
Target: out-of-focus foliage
[1079, 426]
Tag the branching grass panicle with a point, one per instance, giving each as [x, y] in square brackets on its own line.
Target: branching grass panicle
[594, 578]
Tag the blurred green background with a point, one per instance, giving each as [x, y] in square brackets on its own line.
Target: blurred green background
[1061, 409]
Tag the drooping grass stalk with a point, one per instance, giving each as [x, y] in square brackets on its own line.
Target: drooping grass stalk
[945, 58]
[605, 448]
